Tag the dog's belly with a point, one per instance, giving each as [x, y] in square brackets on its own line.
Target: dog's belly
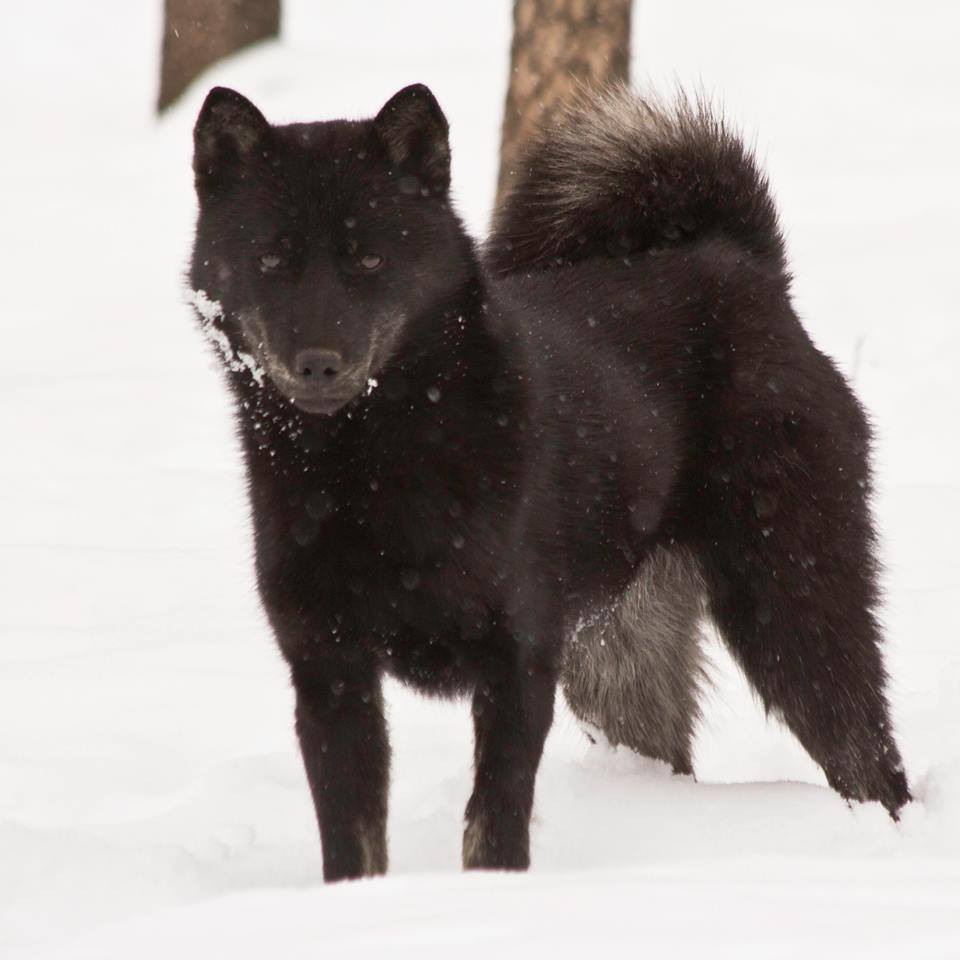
[438, 665]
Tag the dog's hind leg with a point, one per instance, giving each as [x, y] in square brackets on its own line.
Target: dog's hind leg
[791, 577]
[635, 672]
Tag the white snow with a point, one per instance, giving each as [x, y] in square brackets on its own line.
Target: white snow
[152, 802]
[211, 311]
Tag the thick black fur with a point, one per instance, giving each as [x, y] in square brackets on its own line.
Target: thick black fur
[517, 432]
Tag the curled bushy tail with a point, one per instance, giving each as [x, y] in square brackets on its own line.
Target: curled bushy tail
[622, 174]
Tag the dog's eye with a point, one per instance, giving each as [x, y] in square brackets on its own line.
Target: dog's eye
[270, 261]
[371, 262]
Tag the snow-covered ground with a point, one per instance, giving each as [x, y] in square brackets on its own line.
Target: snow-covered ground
[152, 802]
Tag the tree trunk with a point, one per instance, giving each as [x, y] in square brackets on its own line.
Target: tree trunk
[197, 33]
[558, 44]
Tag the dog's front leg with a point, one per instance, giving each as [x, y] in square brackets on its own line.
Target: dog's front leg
[512, 713]
[343, 739]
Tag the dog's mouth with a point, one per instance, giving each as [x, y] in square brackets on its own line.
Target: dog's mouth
[322, 405]
[316, 400]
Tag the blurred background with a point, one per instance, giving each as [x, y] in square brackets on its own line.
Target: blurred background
[150, 790]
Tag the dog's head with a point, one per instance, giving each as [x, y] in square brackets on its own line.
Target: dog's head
[318, 243]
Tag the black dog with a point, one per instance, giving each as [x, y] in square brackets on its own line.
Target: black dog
[485, 474]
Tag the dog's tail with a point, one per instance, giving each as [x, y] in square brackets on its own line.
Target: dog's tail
[620, 174]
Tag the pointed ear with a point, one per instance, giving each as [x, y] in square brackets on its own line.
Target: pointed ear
[414, 131]
[230, 131]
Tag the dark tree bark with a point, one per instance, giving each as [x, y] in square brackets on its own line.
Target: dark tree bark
[558, 44]
[197, 33]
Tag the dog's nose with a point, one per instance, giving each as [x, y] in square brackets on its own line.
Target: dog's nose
[321, 366]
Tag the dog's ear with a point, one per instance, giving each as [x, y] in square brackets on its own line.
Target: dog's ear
[414, 132]
[229, 133]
